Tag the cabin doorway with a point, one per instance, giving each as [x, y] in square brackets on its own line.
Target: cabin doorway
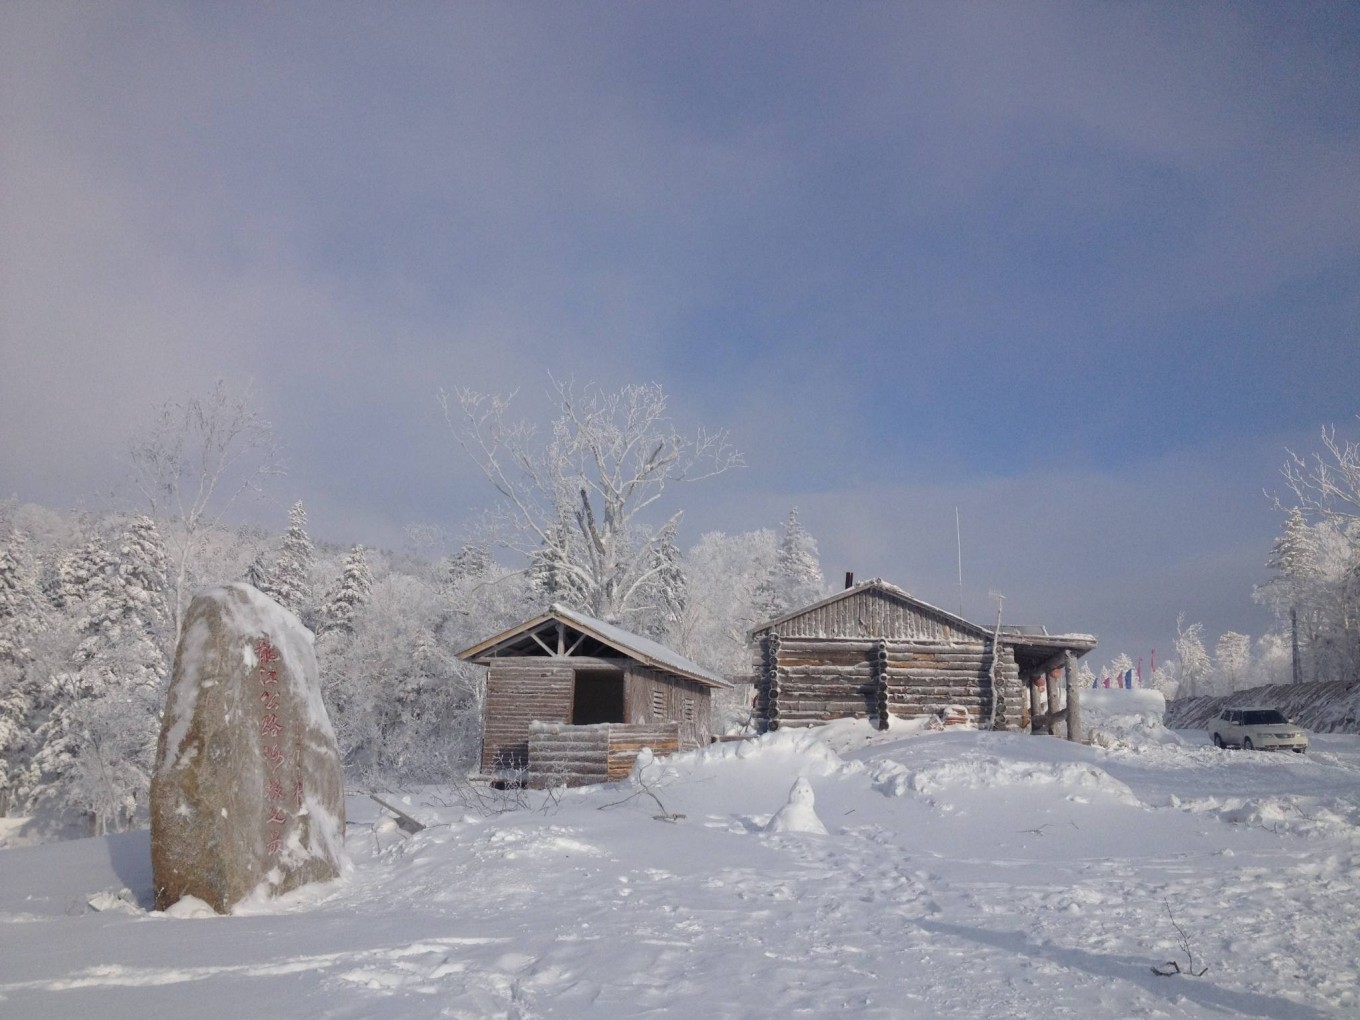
[597, 697]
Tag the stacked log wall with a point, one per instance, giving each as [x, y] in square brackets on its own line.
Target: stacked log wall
[562, 755]
[818, 679]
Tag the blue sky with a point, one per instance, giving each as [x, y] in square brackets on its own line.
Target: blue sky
[1082, 271]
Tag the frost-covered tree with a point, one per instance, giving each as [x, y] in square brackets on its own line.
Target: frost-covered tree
[22, 617]
[1164, 679]
[82, 573]
[1315, 592]
[1193, 665]
[1292, 591]
[1326, 484]
[192, 463]
[97, 742]
[289, 583]
[470, 563]
[403, 707]
[1232, 662]
[795, 578]
[550, 572]
[585, 494]
[798, 570]
[348, 595]
[1271, 663]
[1317, 560]
[257, 574]
[1085, 677]
[726, 577]
[662, 600]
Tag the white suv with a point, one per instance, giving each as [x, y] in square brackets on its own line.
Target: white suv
[1261, 729]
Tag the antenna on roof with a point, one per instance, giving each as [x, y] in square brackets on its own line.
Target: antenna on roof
[958, 537]
[999, 599]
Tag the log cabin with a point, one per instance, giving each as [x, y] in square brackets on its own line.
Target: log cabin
[570, 700]
[874, 651]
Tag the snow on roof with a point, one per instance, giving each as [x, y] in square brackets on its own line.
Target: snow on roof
[878, 584]
[635, 646]
[1011, 635]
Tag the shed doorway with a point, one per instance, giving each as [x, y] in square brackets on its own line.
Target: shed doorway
[597, 697]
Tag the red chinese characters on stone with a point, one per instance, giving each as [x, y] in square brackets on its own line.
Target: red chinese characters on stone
[268, 658]
[266, 654]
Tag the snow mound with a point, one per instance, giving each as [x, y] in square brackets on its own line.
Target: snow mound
[189, 907]
[807, 747]
[985, 772]
[798, 815]
[1125, 720]
[1297, 816]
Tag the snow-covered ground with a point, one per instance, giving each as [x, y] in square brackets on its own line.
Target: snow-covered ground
[962, 874]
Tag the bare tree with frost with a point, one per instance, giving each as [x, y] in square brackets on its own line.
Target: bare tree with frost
[194, 461]
[583, 495]
[1327, 484]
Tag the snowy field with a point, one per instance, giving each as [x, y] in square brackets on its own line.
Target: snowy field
[961, 874]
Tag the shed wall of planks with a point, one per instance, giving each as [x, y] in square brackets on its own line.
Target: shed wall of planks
[524, 690]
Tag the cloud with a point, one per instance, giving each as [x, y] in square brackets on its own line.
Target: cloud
[1034, 262]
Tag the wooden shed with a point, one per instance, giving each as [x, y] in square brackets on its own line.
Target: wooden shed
[874, 651]
[571, 700]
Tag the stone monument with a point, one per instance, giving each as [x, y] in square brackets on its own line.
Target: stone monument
[247, 797]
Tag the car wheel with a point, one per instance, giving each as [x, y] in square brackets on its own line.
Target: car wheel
[1218, 741]
[1246, 744]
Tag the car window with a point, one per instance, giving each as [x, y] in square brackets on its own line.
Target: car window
[1232, 715]
[1267, 717]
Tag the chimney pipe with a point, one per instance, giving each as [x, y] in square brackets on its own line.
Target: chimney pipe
[849, 578]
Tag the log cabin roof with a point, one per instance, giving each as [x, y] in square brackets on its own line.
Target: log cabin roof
[563, 632]
[881, 587]
[1033, 645]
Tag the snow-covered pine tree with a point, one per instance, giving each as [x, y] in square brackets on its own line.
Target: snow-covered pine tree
[82, 573]
[21, 617]
[1294, 559]
[795, 578]
[98, 740]
[798, 569]
[662, 604]
[470, 562]
[347, 596]
[20, 601]
[257, 574]
[550, 573]
[290, 581]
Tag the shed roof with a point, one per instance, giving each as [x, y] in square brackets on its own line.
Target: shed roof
[634, 646]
